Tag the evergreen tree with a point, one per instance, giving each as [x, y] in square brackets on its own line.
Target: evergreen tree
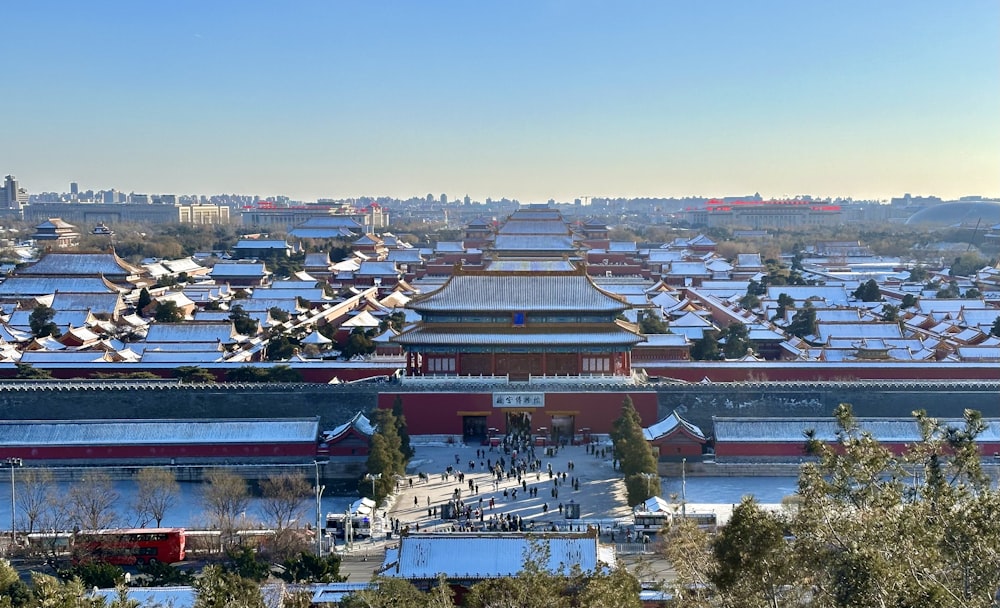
[168, 312]
[243, 323]
[385, 456]
[707, 347]
[785, 302]
[41, 323]
[804, 322]
[869, 528]
[218, 588]
[401, 430]
[634, 454]
[753, 564]
[868, 292]
[737, 341]
[995, 328]
[144, 300]
[651, 322]
[359, 343]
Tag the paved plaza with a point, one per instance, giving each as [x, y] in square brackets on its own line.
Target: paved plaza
[601, 496]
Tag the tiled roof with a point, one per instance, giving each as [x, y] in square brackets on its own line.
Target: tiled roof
[320, 233]
[528, 242]
[82, 264]
[260, 244]
[147, 432]
[185, 357]
[94, 302]
[665, 340]
[182, 265]
[530, 266]
[238, 270]
[21, 319]
[517, 292]
[330, 222]
[667, 425]
[551, 227]
[457, 555]
[793, 430]
[18, 287]
[191, 332]
[377, 269]
[603, 335]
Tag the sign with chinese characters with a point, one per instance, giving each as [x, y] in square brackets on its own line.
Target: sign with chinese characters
[518, 399]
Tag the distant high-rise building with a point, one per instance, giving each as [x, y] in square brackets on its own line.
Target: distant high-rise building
[74, 188]
[467, 200]
[444, 199]
[12, 196]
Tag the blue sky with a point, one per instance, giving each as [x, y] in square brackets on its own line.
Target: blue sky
[530, 100]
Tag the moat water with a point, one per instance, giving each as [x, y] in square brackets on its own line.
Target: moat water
[188, 511]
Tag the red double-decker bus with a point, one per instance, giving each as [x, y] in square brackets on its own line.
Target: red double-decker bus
[129, 546]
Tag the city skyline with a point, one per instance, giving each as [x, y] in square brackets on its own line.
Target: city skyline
[528, 100]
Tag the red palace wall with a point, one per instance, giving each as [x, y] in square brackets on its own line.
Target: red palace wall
[677, 446]
[442, 413]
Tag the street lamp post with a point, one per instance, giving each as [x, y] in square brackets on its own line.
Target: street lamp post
[12, 462]
[372, 478]
[319, 511]
[684, 487]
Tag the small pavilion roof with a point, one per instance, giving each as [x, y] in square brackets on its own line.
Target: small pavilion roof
[668, 425]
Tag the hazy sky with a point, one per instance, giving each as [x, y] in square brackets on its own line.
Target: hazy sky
[531, 100]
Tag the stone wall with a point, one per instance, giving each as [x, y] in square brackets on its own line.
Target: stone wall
[335, 404]
[699, 402]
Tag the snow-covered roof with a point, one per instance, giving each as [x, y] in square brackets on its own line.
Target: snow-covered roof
[359, 421]
[238, 270]
[502, 292]
[80, 264]
[316, 338]
[182, 265]
[94, 302]
[260, 244]
[481, 556]
[362, 319]
[192, 332]
[155, 432]
[25, 287]
[665, 340]
[668, 425]
[533, 242]
[596, 336]
[654, 504]
[529, 265]
[377, 269]
[793, 429]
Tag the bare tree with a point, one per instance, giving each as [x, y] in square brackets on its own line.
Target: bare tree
[92, 501]
[34, 487]
[284, 499]
[225, 497]
[283, 502]
[157, 491]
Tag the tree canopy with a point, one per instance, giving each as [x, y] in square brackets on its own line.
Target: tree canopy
[868, 527]
[634, 454]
